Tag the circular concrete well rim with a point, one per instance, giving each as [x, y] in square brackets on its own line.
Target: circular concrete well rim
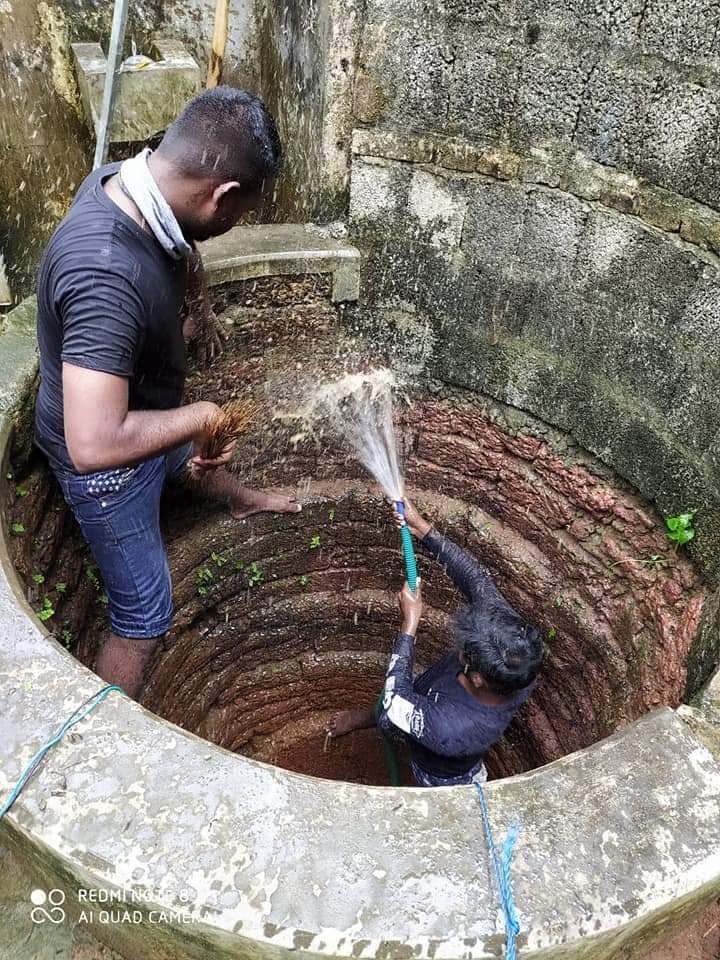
[242, 857]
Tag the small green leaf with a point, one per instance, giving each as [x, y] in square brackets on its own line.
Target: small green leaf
[315, 542]
[17, 529]
[684, 536]
[673, 523]
[332, 516]
[21, 491]
[47, 610]
[38, 578]
[255, 574]
[60, 586]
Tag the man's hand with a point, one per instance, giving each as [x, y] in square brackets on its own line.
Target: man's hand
[207, 334]
[412, 607]
[200, 466]
[419, 526]
[201, 326]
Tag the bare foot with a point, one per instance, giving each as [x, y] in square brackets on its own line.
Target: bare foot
[248, 502]
[345, 721]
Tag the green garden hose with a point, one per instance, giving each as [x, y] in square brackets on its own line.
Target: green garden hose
[408, 549]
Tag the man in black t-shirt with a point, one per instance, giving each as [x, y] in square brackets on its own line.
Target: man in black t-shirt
[111, 335]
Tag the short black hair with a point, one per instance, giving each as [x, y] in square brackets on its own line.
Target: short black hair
[225, 134]
[500, 645]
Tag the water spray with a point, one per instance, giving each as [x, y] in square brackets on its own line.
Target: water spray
[357, 411]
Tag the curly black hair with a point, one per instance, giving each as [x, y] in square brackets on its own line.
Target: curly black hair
[498, 644]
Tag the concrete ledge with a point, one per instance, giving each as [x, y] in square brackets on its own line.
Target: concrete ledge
[18, 354]
[286, 248]
[150, 93]
[618, 842]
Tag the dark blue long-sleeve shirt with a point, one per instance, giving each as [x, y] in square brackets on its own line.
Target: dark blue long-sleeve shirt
[447, 729]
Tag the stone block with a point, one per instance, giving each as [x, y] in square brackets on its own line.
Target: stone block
[661, 208]
[437, 210]
[149, 93]
[391, 145]
[684, 31]
[701, 225]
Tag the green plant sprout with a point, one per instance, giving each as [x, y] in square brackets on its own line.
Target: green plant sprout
[92, 576]
[255, 574]
[60, 587]
[204, 580]
[680, 529]
[218, 559]
[17, 529]
[304, 581]
[315, 542]
[47, 609]
[38, 578]
[332, 516]
[21, 491]
[66, 637]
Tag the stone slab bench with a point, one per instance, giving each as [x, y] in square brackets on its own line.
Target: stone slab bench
[284, 249]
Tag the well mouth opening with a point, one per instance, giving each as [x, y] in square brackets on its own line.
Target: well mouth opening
[283, 620]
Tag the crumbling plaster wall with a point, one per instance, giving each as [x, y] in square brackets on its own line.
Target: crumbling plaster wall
[45, 147]
[192, 21]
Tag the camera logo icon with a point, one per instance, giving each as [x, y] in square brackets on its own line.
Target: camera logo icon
[47, 906]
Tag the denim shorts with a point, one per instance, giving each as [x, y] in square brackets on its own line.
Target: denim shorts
[119, 514]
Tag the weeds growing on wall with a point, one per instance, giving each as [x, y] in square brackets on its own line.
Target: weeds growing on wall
[680, 529]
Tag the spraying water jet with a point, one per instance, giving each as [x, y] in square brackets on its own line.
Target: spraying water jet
[356, 410]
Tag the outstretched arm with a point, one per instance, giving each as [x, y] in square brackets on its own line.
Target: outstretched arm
[469, 576]
[417, 715]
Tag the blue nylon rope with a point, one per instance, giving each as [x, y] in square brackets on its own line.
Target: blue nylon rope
[82, 711]
[501, 868]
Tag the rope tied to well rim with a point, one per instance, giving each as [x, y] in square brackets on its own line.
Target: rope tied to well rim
[75, 717]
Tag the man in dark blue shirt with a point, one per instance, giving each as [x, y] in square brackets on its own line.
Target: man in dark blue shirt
[452, 714]
[111, 334]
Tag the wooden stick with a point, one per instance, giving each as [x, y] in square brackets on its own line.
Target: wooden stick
[217, 52]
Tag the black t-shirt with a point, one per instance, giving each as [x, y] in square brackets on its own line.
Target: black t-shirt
[109, 299]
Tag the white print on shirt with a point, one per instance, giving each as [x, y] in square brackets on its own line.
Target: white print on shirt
[405, 717]
[393, 660]
[389, 688]
[417, 723]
